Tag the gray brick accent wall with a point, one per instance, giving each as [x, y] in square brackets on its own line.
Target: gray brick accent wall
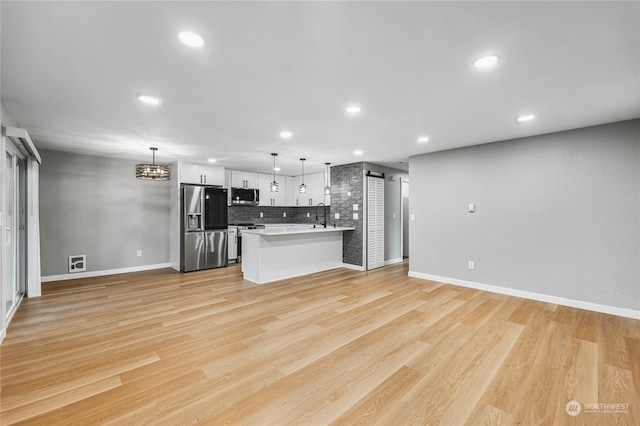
[347, 190]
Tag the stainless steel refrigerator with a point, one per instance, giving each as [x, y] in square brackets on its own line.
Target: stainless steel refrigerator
[204, 221]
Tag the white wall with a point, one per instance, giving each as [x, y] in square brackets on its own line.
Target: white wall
[95, 206]
[557, 214]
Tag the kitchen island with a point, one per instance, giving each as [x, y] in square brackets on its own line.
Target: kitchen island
[276, 253]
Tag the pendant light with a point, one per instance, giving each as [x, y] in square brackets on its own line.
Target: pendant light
[327, 186]
[153, 171]
[303, 187]
[274, 184]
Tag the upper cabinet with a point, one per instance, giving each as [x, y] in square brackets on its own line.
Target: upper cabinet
[315, 190]
[242, 179]
[203, 174]
[268, 198]
[288, 188]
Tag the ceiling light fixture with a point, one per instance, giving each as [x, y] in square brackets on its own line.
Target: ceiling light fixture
[486, 61]
[423, 139]
[303, 187]
[285, 134]
[153, 171]
[358, 152]
[353, 109]
[149, 100]
[212, 160]
[327, 186]
[274, 184]
[191, 39]
[525, 118]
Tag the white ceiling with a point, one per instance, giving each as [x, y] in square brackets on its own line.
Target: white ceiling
[71, 71]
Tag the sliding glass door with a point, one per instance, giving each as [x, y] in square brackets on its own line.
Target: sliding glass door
[13, 282]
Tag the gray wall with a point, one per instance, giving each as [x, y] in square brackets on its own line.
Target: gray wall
[95, 206]
[557, 214]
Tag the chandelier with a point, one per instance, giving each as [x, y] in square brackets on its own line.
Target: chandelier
[153, 171]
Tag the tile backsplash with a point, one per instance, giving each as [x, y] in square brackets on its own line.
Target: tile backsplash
[251, 214]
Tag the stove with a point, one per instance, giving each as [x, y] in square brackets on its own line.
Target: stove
[244, 227]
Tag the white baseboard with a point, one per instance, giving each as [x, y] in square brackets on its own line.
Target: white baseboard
[392, 261]
[606, 309]
[354, 267]
[91, 274]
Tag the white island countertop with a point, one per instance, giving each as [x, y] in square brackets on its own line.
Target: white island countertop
[295, 229]
[280, 252]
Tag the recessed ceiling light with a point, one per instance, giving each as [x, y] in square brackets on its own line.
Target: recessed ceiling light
[285, 134]
[276, 169]
[524, 118]
[212, 160]
[358, 152]
[486, 61]
[423, 139]
[149, 100]
[191, 39]
[353, 109]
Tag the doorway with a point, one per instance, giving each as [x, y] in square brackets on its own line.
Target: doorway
[404, 194]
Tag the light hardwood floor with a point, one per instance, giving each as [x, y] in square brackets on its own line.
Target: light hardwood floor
[340, 347]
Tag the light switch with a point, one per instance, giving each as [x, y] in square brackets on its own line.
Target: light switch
[355, 207]
[337, 216]
[412, 217]
[472, 207]
[355, 216]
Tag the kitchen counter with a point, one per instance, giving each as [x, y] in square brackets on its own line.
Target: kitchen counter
[281, 252]
[294, 229]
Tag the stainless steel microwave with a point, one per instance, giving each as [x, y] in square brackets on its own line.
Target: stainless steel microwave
[245, 197]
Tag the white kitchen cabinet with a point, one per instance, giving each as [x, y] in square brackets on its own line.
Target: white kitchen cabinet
[315, 190]
[242, 179]
[201, 174]
[290, 195]
[268, 198]
[293, 193]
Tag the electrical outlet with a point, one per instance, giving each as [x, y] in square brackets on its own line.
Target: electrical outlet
[261, 214]
[355, 216]
[337, 216]
[472, 264]
[284, 214]
[412, 217]
[472, 207]
[394, 215]
[308, 214]
[139, 253]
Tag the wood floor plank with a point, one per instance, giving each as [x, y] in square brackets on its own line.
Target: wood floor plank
[370, 408]
[336, 347]
[488, 415]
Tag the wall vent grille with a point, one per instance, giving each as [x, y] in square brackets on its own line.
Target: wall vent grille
[77, 263]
